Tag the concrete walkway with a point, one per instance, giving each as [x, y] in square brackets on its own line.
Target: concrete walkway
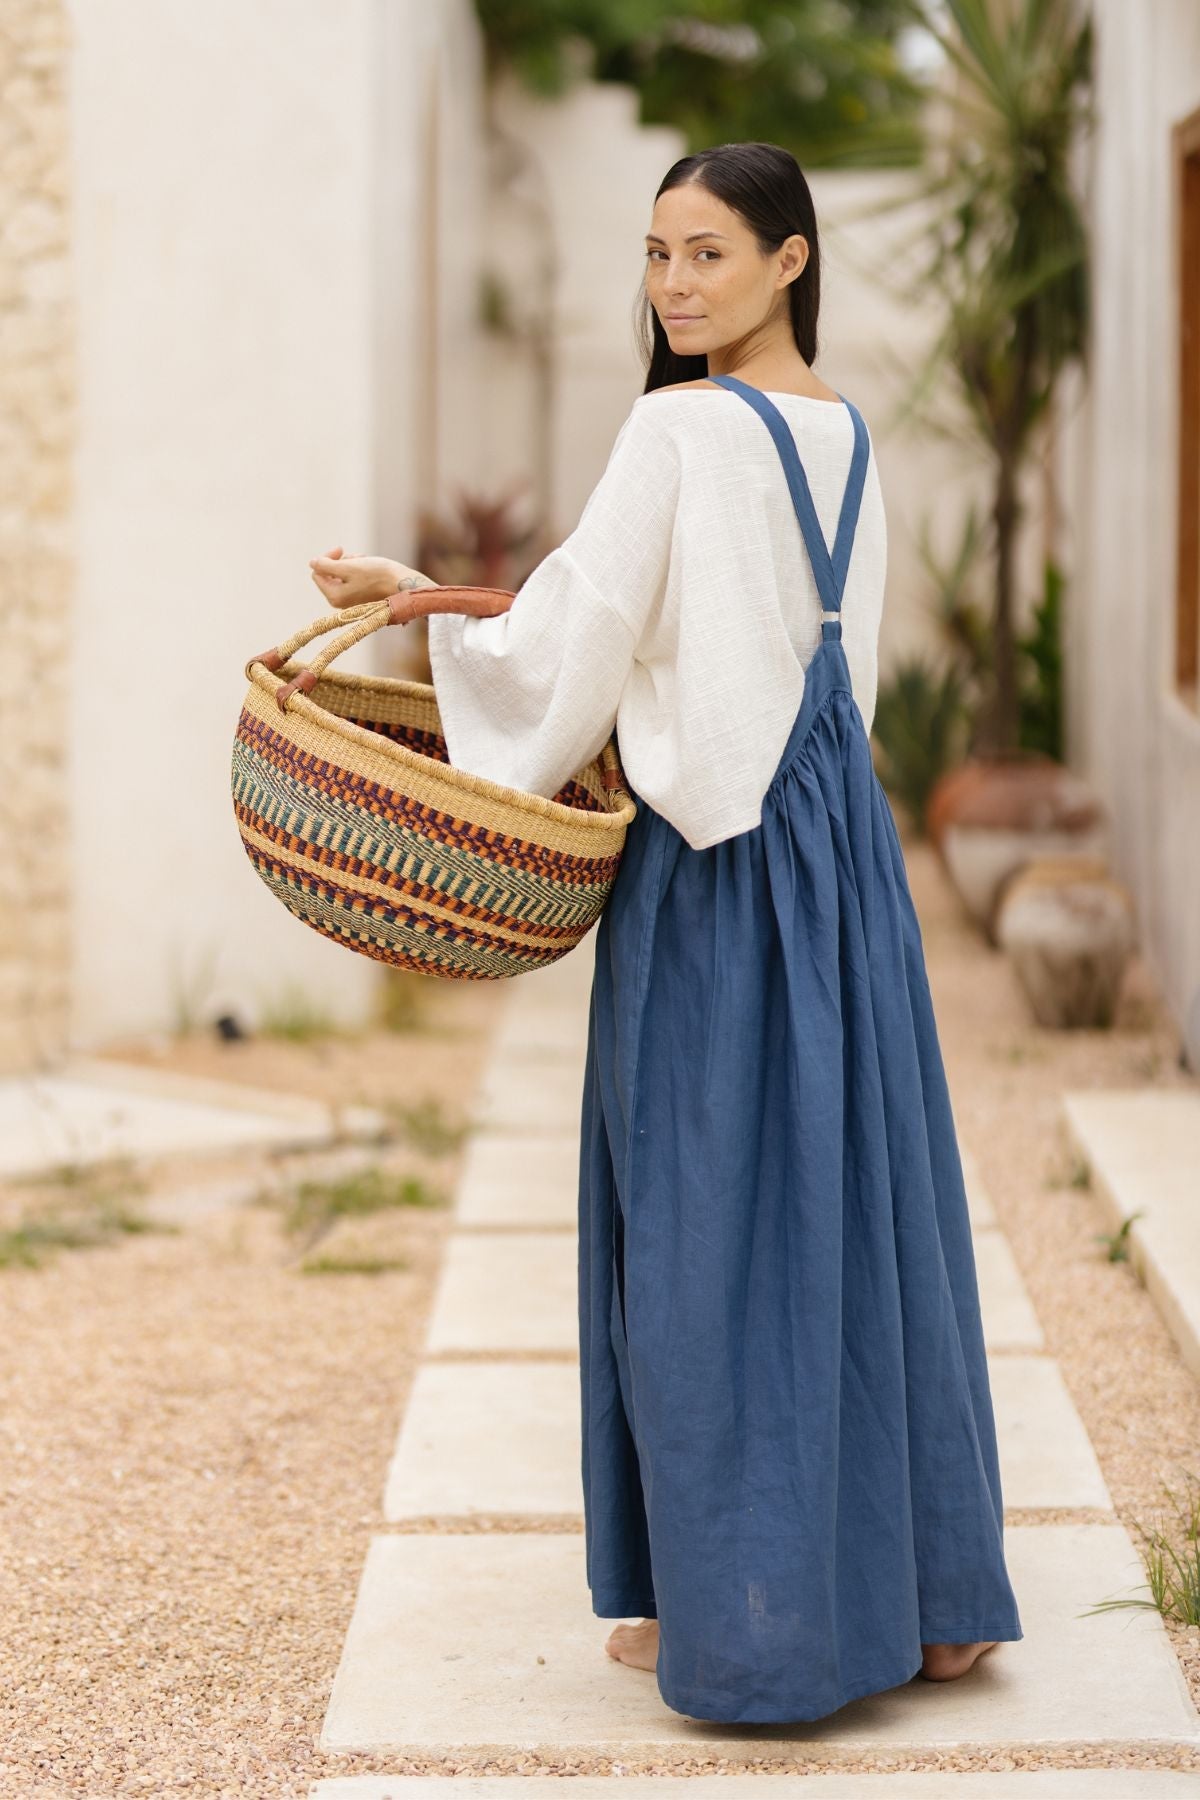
[480, 1639]
[89, 1109]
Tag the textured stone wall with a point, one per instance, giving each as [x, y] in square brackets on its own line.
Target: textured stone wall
[37, 399]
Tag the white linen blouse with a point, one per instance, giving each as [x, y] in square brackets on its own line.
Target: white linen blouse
[682, 610]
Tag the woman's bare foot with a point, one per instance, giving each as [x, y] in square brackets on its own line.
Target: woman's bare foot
[636, 1645]
[945, 1662]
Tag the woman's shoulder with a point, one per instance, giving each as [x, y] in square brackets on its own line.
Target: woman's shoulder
[675, 403]
[660, 398]
[704, 382]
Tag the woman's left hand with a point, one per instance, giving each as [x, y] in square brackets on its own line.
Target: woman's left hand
[349, 580]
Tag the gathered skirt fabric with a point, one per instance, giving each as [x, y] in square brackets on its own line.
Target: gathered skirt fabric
[789, 1452]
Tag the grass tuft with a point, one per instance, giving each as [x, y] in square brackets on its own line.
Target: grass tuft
[1172, 1557]
[319, 1203]
[87, 1206]
[293, 1015]
[1117, 1241]
[352, 1265]
[426, 1127]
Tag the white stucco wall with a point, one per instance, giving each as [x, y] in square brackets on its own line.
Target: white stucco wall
[1130, 732]
[593, 176]
[250, 266]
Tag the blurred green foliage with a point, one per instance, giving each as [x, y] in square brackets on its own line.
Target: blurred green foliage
[823, 78]
[1040, 716]
[927, 709]
[919, 730]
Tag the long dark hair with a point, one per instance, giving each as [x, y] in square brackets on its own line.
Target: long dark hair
[766, 185]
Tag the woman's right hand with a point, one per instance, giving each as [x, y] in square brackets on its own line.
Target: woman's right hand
[349, 580]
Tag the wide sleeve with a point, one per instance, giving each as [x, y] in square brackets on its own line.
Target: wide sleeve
[527, 697]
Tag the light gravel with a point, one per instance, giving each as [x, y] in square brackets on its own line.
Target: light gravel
[194, 1435]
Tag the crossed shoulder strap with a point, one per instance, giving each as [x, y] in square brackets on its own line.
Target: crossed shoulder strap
[830, 571]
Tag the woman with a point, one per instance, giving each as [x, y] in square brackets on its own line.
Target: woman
[789, 1455]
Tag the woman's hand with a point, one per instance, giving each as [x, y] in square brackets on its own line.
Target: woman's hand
[349, 580]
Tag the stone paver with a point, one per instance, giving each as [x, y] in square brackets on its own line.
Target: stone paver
[501, 1290]
[1046, 1456]
[1143, 1147]
[92, 1109]
[504, 1438]
[517, 1291]
[979, 1201]
[544, 1028]
[530, 1094]
[1009, 1321]
[467, 1641]
[519, 1178]
[488, 1437]
[1016, 1784]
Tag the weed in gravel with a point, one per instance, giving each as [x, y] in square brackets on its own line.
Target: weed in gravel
[1172, 1558]
[292, 1014]
[315, 1206]
[1117, 1241]
[26, 1245]
[352, 1265]
[86, 1206]
[401, 1004]
[1019, 1051]
[426, 1127]
[367, 1190]
[1071, 1171]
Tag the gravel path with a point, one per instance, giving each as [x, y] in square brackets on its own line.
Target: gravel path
[194, 1435]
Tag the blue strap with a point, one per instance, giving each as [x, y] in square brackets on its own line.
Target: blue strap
[830, 572]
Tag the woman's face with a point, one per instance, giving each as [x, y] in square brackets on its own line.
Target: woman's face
[706, 277]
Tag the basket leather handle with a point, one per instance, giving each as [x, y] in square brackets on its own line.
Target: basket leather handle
[612, 774]
[371, 616]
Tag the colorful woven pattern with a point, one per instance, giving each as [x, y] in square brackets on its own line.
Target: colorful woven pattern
[351, 812]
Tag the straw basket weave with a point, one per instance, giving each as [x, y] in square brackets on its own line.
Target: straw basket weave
[350, 811]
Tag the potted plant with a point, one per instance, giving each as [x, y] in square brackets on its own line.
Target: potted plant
[1006, 257]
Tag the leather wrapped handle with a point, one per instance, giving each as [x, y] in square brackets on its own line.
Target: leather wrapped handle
[370, 616]
[418, 602]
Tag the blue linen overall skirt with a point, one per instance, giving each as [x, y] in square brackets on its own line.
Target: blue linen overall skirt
[789, 1452]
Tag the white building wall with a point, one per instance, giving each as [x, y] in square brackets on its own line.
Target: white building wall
[253, 284]
[37, 402]
[1130, 733]
[569, 247]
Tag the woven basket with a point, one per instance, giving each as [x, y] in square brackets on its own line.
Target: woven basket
[350, 811]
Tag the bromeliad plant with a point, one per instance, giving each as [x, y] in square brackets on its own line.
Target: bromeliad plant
[485, 542]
